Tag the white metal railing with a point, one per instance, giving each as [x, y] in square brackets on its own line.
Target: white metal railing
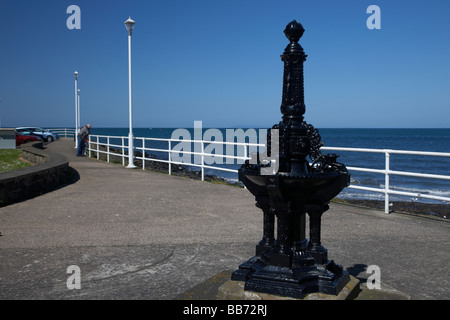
[387, 172]
[387, 191]
[63, 132]
[202, 154]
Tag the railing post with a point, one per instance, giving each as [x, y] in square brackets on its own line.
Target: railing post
[123, 152]
[170, 157]
[386, 182]
[107, 149]
[245, 156]
[90, 146]
[143, 153]
[98, 147]
[203, 161]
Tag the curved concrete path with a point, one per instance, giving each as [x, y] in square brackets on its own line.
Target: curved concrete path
[136, 234]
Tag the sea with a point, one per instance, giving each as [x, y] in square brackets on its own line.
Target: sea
[434, 140]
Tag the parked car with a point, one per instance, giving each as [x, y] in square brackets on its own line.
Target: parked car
[23, 138]
[46, 135]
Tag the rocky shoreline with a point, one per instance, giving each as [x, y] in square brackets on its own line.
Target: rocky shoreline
[420, 208]
[412, 207]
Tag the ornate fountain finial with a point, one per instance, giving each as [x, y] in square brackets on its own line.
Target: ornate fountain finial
[294, 31]
[293, 105]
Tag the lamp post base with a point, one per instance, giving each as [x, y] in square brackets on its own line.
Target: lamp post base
[130, 152]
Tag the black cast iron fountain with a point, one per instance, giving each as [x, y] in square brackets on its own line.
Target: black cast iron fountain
[290, 265]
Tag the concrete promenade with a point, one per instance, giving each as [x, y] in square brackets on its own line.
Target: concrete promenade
[137, 234]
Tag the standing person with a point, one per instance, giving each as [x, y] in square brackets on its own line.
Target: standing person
[82, 139]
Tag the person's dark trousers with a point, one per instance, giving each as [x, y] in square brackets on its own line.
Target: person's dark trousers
[81, 147]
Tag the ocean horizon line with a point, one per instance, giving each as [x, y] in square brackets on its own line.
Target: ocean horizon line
[258, 127]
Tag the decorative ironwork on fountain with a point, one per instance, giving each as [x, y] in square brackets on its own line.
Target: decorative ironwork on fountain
[290, 265]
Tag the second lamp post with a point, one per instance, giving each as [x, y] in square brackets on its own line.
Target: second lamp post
[129, 24]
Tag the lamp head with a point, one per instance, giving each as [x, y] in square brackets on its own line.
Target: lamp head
[129, 24]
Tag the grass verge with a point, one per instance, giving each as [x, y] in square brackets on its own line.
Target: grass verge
[11, 159]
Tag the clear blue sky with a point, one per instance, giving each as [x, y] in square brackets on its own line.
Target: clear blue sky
[219, 61]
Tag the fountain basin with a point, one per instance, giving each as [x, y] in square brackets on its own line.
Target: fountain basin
[311, 187]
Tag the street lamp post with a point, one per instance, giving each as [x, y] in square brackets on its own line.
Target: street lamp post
[129, 24]
[76, 109]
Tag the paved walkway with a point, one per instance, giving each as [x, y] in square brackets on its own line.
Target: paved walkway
[136, 234]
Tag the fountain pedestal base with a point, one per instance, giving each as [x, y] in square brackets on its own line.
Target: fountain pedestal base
[234, 290]
[303, 276]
